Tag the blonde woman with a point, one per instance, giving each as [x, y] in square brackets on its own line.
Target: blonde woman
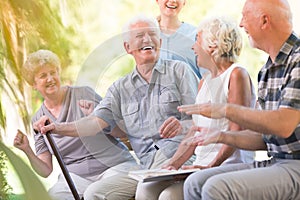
[97, 164]
[217, 48]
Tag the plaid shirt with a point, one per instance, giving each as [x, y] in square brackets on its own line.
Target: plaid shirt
[279, 87]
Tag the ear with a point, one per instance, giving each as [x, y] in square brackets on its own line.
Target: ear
[210, 50]
[127, 48]
[265, 21]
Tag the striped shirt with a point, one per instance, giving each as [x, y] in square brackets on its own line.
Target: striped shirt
[279, 87]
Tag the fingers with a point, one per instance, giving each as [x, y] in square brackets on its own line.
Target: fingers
[169, 167]
[170, 128]
[85, 104]
[19, 138]
[47, 128]
[40, 123]
[189, 109]
[189, 166]
[194, 167]
[192, 141]
[20, 135]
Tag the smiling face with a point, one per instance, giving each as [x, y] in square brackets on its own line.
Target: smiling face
[204, 59]
[170, 7]
[144, 43]
[251, 23]
[46, 80]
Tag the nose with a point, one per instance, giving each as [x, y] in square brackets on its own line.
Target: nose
[193, 46]
[241, 23]
[49, 77]
[146, 38]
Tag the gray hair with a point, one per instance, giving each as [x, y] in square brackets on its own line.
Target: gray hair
[36, 61]
[223, 34]
[139, 18]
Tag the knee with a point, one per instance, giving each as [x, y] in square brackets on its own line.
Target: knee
[192, 187]
[92, 193]
[60, 193]
[214, 188]
[149, 191]
[173, 192]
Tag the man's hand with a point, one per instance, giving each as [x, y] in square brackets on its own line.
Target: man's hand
[170, 128]
[41, 127]
[205, 137]
[215, 111]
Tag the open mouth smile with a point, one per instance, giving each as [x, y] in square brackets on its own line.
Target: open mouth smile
[171, 6]
[146, 48]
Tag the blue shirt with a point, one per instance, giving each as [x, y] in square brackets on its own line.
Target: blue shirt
[279, 87]
[178, 46]
[141, 107]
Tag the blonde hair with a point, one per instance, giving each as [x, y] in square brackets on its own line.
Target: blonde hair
[223, 35]
[36, 61]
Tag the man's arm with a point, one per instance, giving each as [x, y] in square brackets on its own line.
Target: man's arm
[86, 126]
[246, 139]
[281, 122]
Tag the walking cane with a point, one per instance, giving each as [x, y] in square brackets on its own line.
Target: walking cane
[62, 164]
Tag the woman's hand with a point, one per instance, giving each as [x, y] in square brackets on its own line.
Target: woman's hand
[86, 106]
[21, 141]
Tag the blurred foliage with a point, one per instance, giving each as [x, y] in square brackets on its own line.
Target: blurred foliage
[25, 27]
[4, 187]
[33, 188]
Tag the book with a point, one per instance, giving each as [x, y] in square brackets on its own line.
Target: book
[160, 174]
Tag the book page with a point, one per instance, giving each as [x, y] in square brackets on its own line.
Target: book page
[160, 174]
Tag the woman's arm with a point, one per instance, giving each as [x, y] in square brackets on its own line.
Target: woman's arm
[240, 93]
[42, 163]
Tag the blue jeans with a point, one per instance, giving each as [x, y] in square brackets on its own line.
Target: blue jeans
[279, 180]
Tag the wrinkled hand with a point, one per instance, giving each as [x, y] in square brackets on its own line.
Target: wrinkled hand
[206, 136]
[21, 141]
[40, 126]
[170, 128]
[86, 106]
[215, 111]
[169, 167]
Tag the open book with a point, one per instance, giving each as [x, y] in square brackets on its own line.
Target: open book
[160, 174]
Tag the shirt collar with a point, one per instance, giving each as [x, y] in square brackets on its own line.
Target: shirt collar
[284, 52]
[159, 67]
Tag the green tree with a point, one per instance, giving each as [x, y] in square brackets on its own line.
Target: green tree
[25, 26]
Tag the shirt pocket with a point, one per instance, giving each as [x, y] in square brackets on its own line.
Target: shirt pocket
[170, 100]
[130, 114]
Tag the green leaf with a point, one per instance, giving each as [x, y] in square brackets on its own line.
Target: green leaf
[34, 189]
